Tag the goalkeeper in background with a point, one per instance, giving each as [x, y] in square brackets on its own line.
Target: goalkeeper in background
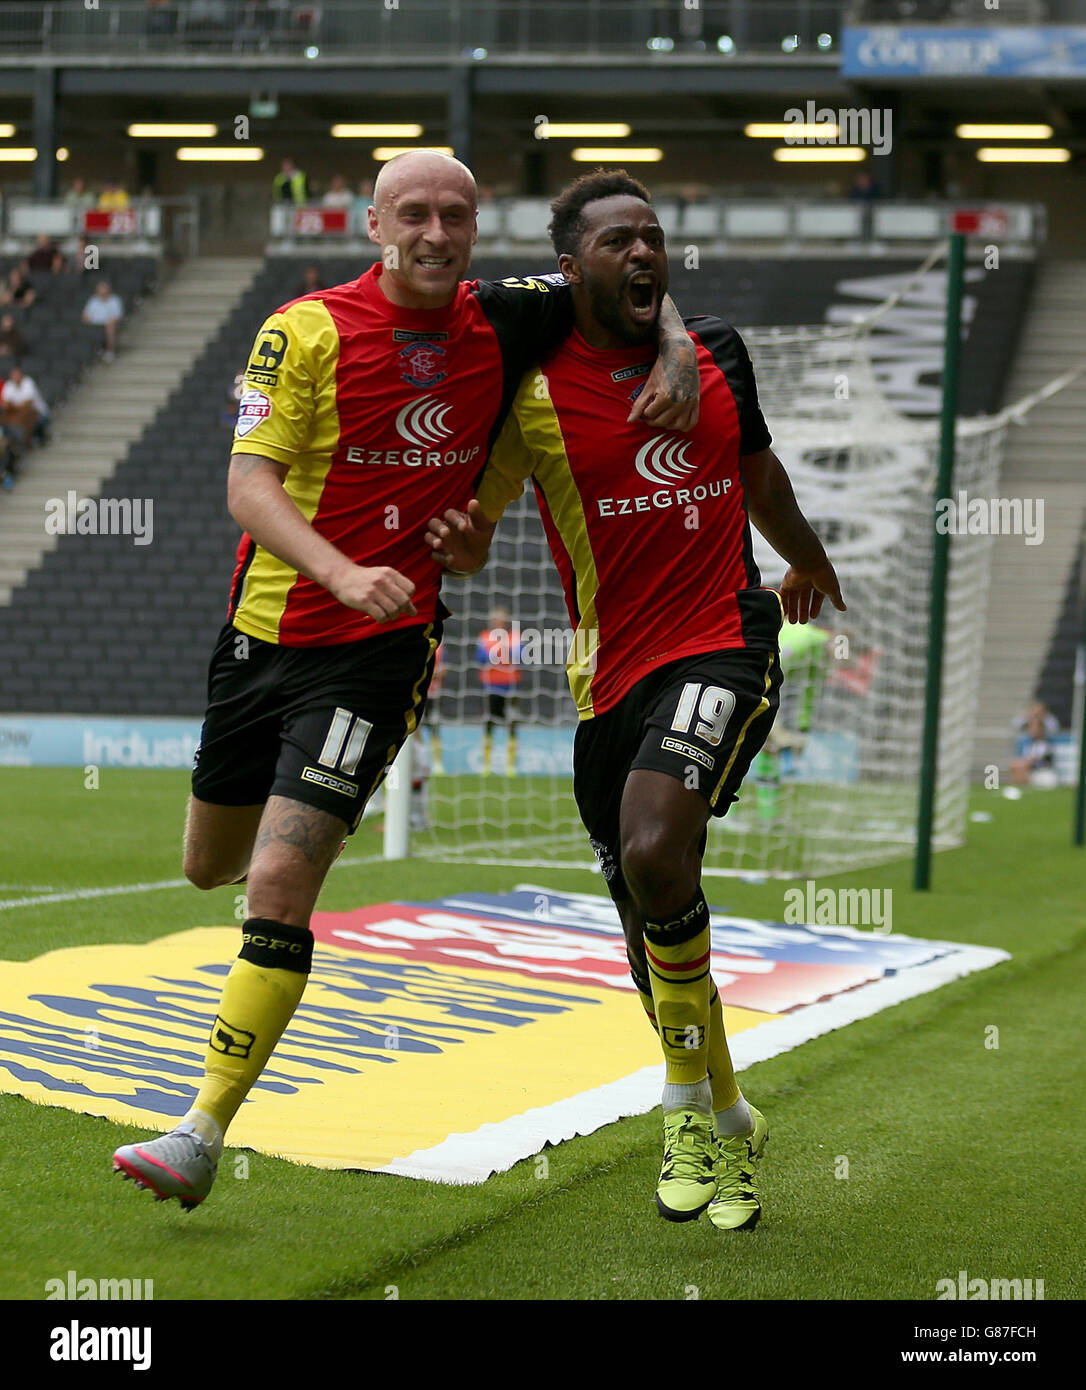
[675, 670]
[804, 658]
[498, 656]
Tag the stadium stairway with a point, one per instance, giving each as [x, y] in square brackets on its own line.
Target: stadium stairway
[1043, 458]
[113, 404]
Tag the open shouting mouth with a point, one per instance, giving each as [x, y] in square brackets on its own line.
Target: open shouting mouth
[643, 296]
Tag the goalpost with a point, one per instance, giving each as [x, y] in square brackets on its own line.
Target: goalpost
[838, 784]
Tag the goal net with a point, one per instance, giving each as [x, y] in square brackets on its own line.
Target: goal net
[838, 784]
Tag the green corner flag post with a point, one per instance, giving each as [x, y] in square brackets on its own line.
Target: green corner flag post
[940, 568]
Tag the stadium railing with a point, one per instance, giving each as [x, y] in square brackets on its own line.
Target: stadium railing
[956, 12]
[307, 29]
[145, 227]
[715, 221]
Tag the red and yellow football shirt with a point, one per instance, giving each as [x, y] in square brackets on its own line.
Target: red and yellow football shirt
[648, 528]
[384, 417]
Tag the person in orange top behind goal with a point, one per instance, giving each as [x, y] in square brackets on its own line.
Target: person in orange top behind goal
[498, 655]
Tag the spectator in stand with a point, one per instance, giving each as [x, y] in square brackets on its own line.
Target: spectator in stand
[7, 463]
[113, 197]
[863, 188]
[364, 197]
[12, 342]
[291, 185]
[77, 264]
[79, 196]
[18, 292]
[105, 309]
[22, 408]
[1036, 759]
[311, 281]
[45, 256]
[161, 17]
[338, 194]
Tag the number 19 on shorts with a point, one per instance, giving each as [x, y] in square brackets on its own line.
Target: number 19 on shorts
[714, 707]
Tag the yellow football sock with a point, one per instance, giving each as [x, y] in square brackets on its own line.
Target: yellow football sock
[261, 993]
[722, 1080]
[678, 958]
[644, 993]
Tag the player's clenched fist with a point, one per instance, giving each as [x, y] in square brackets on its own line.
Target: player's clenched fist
[381, 592]
[461, 542]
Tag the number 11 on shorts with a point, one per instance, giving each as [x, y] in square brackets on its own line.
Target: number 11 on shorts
[714, 708]
[346, 738]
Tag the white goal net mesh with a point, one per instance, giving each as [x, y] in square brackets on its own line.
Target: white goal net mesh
[838, 784]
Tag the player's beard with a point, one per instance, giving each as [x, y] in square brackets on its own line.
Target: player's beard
[606, 309]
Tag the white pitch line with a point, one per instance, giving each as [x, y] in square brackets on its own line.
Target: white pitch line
[78, 894]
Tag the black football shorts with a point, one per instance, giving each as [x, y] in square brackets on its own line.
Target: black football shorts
[701, 719]
[320, 725]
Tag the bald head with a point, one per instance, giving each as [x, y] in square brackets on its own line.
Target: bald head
[423, 219]
[430, 168]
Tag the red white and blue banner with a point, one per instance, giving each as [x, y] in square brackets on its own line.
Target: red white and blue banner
[443, 1040]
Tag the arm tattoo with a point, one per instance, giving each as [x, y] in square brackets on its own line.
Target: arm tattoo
[245, 464]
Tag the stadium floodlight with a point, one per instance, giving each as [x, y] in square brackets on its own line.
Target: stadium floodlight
[404, 131]
[155, 130]
[383, 153]
[221, 154]
[583, 130]
[16, 154]
[1003, 132]
[829, 154]
[6, 131]
[784, 130]
[584, 154]
[1009, 154]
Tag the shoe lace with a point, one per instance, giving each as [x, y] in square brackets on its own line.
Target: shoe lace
[735, 1168]
[685, 1147]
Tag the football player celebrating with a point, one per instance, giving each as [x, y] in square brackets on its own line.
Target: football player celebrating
[675, 668]
[366, 408]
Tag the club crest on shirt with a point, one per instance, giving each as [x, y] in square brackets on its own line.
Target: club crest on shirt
[423, 364]
[253, 409]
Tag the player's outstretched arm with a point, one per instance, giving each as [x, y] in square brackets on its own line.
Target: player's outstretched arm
[460, 543]
[772, 507]
[260, 506]
[671, 398]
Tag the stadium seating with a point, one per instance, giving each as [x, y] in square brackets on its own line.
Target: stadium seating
[1055, 684]
[142, 618]
[60, 345]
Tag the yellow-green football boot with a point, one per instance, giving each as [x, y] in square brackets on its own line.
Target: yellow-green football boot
[688, 1173]
[738, 1203]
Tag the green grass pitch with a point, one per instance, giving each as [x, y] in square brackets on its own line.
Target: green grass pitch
[960, 1156]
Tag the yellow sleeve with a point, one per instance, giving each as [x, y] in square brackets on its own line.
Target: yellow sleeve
[510, 461]
[288, 401]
